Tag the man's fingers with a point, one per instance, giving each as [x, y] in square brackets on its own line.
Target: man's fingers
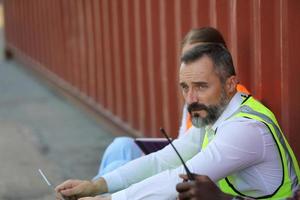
[183, 176]
[59, 196]
[182, 187]
[185, 195]
[68, 188]
[70, 192]
[186, 178]
[65, 185]
[200, 178]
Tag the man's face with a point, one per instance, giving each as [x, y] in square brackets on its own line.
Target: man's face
[203, 91]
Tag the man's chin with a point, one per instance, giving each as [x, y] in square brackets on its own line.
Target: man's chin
[198, 122]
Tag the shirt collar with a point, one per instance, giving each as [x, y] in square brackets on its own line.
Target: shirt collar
[233, 105]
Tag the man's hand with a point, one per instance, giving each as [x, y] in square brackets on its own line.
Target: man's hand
[296, 196]
[73, 189]
[96, 198]
[201, 188]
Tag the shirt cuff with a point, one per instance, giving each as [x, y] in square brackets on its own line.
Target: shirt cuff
[121, 195]
[114, 181]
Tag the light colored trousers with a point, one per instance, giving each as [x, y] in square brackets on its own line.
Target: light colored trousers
[120, 151]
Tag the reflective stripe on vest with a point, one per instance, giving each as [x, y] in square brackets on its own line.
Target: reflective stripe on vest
[253, 109]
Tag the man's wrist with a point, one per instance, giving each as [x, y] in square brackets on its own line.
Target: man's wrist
[100, 186]
[225, 196]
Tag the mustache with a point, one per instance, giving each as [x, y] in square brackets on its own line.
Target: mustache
[197, 107]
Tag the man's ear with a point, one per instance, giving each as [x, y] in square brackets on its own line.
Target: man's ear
[231, 84]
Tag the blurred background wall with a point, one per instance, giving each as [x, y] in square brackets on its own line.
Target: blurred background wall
[121, 56]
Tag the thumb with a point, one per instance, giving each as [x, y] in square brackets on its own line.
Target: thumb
[184, 177]
[70, 191]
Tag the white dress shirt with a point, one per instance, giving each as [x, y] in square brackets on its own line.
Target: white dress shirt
[183, 127]
[242, 147]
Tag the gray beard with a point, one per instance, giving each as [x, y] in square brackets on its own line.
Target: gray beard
[198, 122]
[213, 113]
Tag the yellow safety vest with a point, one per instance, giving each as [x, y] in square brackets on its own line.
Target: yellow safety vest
[253, 109]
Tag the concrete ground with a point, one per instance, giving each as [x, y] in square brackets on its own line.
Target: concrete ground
[40, 128]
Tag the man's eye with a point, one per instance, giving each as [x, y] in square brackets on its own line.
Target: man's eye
[201, 87]
[185, 88]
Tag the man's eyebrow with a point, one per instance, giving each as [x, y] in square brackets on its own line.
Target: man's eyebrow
[200, 83]
[182, 84]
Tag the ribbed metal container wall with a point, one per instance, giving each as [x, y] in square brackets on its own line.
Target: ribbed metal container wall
[121, 56]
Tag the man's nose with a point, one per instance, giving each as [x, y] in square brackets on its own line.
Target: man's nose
[191, 97]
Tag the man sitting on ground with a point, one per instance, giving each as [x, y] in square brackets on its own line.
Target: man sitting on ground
[243, 148]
